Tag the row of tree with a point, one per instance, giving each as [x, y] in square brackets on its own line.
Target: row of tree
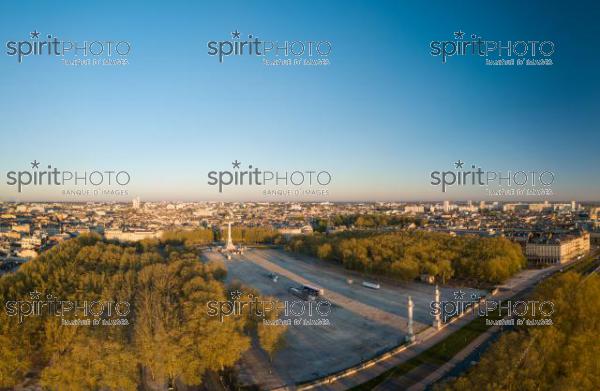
[408, 254]
[253, 235]
[203, 236]
[562, 356]
[365, 221]
[169, 338]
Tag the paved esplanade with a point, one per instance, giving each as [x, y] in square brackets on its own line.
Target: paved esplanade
[368, 311]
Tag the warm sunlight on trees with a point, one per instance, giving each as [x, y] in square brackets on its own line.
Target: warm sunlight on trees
[407, 254]
[169, 336]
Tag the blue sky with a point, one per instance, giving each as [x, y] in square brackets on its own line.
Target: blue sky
[380, 117]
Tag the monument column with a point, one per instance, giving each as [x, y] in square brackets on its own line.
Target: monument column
[411, 335]
[229, 246]
[437, 323]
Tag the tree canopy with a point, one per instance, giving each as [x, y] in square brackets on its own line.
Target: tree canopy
[168, 336]
[407, 254]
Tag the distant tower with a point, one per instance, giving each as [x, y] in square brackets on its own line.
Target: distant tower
[436, 321]
[136, 203]
[446, 206]
[411, 335]
[229, 246]
[573, 205]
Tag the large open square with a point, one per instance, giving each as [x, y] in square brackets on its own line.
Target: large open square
[363, 322]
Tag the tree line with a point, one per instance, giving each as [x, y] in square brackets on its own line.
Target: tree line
[205, 236]
[365, 221]
[406, 255]
[561, 356]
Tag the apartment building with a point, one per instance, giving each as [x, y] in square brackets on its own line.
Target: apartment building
[550, 248]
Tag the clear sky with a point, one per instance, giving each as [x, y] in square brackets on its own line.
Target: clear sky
[379, 118]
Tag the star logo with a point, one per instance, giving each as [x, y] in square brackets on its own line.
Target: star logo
[459, 295]
[35, 34]
[34, 295]
[35, 164]
[459, 34]
[236, 164]
[459, 164]
[235, 295]
[235, 34]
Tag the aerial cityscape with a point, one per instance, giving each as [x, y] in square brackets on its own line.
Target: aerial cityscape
[26, 229]
[284, 195]
[328, 310]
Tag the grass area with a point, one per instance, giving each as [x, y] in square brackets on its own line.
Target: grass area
[438, 354]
